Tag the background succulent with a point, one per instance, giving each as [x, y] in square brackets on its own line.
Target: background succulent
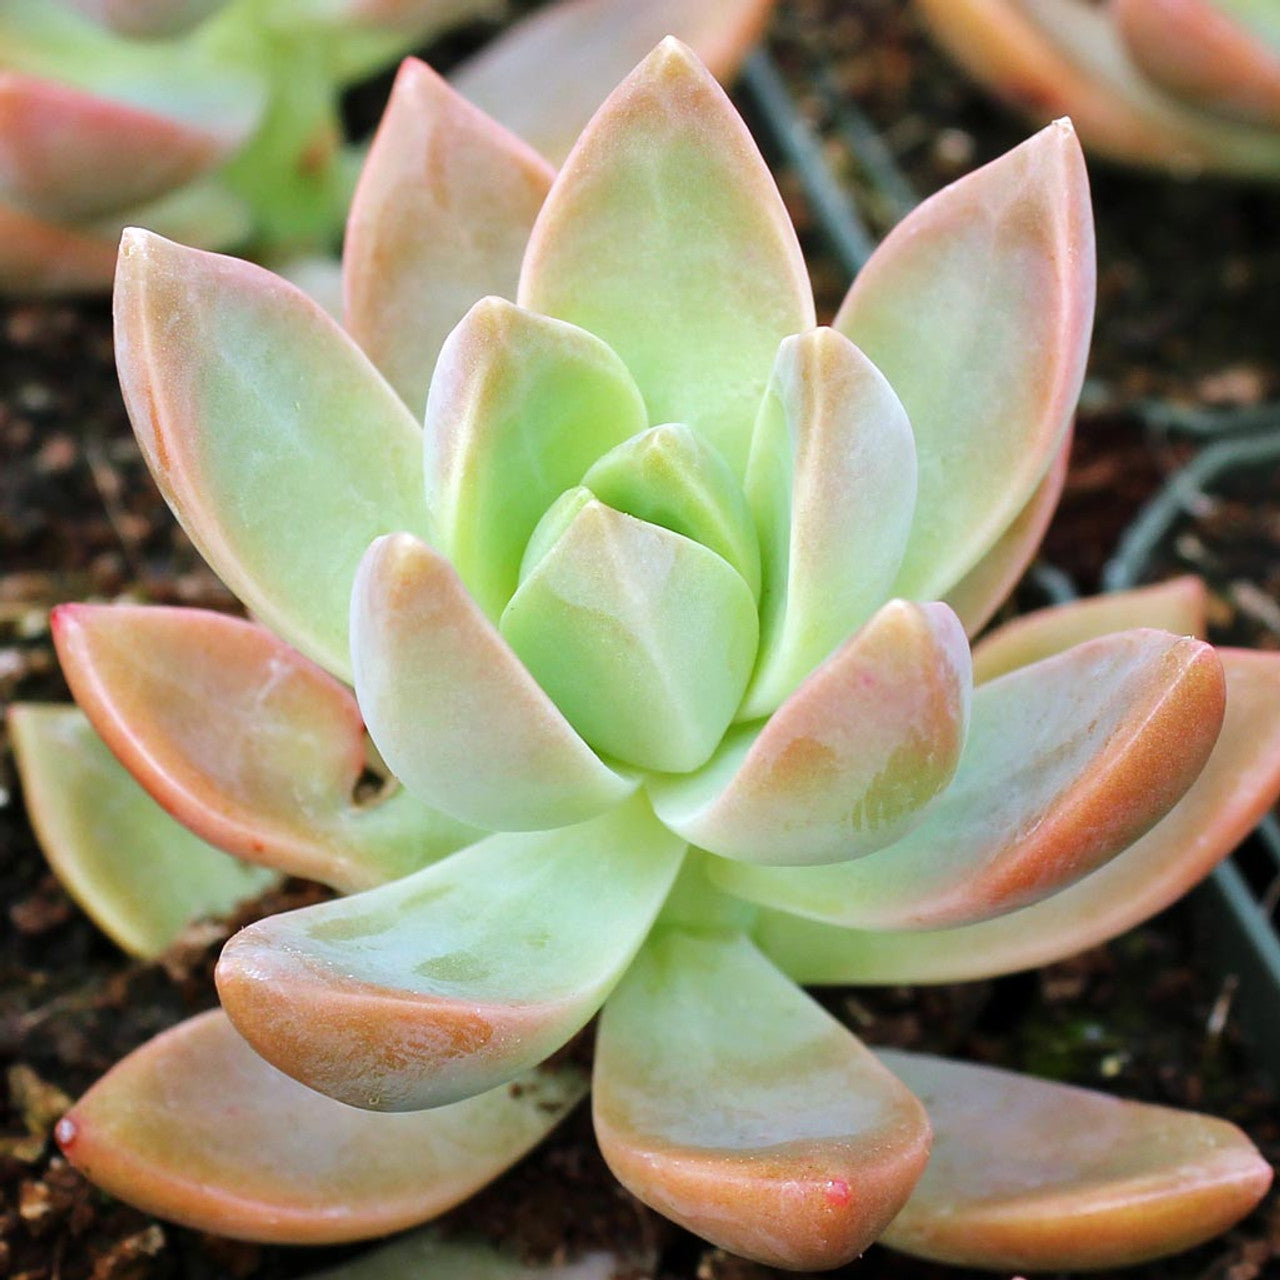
[218, 121]
[668, 680]
[1188, 85]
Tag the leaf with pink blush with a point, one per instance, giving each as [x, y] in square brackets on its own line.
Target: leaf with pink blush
[977, 308]
[198, 1129]
[276, 442]
[69, 155]
[244, 741]
[848, 764]
[831, 480]
[139, 874]
[1032, 1175]
[190, 83]
[989, 583]
[456, 716]
[456, 979]
[1066, 764]
[1051, 58]
[1234, 791]
[712, 278]
[1200, 52]
[440, 218]
[40, 257]
[520, 406]
[726, 1099]
[1178, 606]
[586, 47]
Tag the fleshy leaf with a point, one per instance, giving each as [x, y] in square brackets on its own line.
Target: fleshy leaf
[712, 277]
[586, 48]
[440, 218]
[281, 450]
[39, 257]
[186, 82]
[1067, 763]
[1198, 52]
[1236, 788]
[988, 584]
[643, 638]
[453, 980]
[196, 1128]
[1032, 1175]
[1177, 606]
[454, 713]
[520, 406]
[977, 308]
[669, 475]
[847, 764]
[1066, 57]
[66, 154]
[140, 875]
[831, 480]
[244, 741]
[728, 1100]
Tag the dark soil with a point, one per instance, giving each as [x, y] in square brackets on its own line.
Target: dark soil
[1190, 305]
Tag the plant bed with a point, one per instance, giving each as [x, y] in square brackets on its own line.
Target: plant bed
[1135, 1018]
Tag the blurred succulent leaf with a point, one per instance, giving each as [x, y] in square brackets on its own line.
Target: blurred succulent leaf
[712, 278]
[440, 218]
[148, 19]
[1032, 1175]
[994, 278]
[1067, 763]
[671, 477]
[1215, 55]
[140, 875]
[280, 448]
[197, 1128]
[587, 47]
[776, 1134]
[456, 979]
[643, 637]
[37, 256]
[456, 716]
[831, 480]
[272, 776]
[848, 764]
[520, 406]
[425, 1253]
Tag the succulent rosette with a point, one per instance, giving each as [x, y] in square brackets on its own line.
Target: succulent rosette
[218, 122]
[1186, 85]
[669, 703]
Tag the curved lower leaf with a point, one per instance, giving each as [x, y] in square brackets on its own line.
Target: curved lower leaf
[452, 981]
[140, 875]
[243, 740]
[1033, 1175]
[1237, 786]
[728, 1100]
[196, 1128]
[43, 258]
[1067, 763]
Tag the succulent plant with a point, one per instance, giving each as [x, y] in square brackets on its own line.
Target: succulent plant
[669, 699]
[1185, 85]
[217, 121]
